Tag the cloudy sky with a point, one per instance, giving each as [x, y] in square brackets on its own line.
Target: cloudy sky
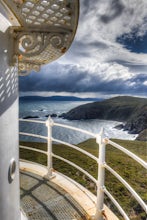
[107, 58]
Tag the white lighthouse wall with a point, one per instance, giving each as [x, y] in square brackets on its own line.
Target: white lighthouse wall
[9, 184]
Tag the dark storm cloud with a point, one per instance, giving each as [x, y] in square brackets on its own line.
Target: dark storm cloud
[57, 78]
[139, 84]
[96, 62]
[71, 79]
[86, 5]
[115, 10]
[139, 79]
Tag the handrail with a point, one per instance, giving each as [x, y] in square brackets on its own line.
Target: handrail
[116, 204]
[101, 141]
[31, 120]
[33, 149]
[76, 148]
[76, 166]
[33, 135]
[129, 153]
[132, 191]
[76, 129]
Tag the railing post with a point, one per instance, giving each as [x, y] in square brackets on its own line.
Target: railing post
[49, 124]
[101, 177]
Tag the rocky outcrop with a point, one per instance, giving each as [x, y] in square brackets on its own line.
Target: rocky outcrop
[30, 116]
[119, 127]
[52, 115]
[138, 121]
[99, 111]
[131, 110]
[142, 136]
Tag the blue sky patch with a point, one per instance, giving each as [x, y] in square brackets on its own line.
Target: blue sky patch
[134, 43]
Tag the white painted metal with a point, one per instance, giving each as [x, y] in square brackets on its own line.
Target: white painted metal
[116, 204]
[4, 24]
[132, 191]
[76, 166]
[9, 173]
[76, 129]
[47, 29]
[33, 135]
[34, 121]
[7, 18]
[101, 176]
[76, 148]
[23, 216]
[4, 9]
[25, 47]
[101, 163]
[33, 149]
[49, 124]
[129, 153]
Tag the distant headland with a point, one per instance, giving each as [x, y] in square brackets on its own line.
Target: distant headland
[132, 111]
[56, 98]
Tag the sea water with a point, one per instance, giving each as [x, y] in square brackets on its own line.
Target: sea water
[42, 109]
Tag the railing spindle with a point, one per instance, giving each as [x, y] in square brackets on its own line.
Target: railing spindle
[101, 141]
[49, 124]
[101, 176]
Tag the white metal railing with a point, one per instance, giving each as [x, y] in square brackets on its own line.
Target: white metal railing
[100, 181]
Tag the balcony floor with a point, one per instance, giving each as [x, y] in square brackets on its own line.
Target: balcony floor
[44, 200]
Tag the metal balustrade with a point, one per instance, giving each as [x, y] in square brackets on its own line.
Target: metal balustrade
[102, 165]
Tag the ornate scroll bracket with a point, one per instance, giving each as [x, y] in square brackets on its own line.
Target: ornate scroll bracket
[33, 43]
[32, 48]
[45, 31]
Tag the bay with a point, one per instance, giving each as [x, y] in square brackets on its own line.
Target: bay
[43, 108]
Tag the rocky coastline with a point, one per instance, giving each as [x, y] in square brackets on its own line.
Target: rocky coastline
[131, 111]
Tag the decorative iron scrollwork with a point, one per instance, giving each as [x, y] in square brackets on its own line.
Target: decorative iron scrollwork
[34, 48]
[32, 44]
[45, 32]
[26, 67]
[57, 40]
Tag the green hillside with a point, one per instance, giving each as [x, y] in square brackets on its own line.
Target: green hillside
[125, 166]
[131, 110]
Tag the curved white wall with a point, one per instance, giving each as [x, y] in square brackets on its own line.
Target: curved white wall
[9, 187]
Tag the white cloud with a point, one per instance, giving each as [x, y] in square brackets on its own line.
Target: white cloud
[145, 83]
[100, 47]
[95, 55]
[110, 19]
[123, 16]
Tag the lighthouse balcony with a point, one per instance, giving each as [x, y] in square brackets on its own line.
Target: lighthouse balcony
[52, 190]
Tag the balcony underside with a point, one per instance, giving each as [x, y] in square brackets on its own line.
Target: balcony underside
[40, 31]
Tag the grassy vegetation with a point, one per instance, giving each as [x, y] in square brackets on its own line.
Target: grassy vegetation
[131, 171]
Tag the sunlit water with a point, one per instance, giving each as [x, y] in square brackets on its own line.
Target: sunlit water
[43, 108]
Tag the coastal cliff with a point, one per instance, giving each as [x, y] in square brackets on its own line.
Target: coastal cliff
[130, 110]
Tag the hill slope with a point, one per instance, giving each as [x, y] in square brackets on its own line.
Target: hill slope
[131, 110]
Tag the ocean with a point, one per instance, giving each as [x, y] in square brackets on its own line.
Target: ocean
[42, 109]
